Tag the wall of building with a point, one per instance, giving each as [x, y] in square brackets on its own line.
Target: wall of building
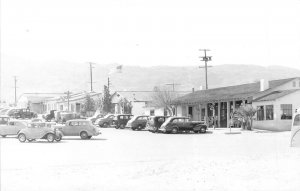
[156, 111]
[277, 124]
[138, 108]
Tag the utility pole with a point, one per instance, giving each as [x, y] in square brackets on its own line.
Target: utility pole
[173, 85]
[91, 74]
[68, 97]
[205, 59]
[15, 78]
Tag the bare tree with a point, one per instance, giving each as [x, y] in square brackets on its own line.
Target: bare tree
[162, 97]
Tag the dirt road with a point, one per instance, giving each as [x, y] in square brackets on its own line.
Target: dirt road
[139, 160]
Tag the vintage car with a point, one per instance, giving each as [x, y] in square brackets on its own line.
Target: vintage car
[40, 130]
[138, 122]
[23, 113]
[105, 121]
[12, 127]
[154, 123]
[177, 124]
[95, 117]
[79, 127]
[121, 120]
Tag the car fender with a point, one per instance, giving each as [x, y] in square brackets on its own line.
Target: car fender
[197, 127]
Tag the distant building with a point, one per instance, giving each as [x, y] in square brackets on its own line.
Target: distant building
[73, 104]
[34, 101]
[274, 100]
[136, 99]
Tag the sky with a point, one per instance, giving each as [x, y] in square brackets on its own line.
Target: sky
[152, 32]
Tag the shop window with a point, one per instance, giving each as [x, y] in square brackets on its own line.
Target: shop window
[297, 120]
[269, 112]
[260, 113]
[286, 111]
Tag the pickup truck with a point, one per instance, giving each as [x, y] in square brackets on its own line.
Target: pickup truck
[177, 124]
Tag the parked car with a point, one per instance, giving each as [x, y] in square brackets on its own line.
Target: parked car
[138, 122]
[177, 124]
[121, 120]
[154, 123]
[95, 117]
[23, 113]
[40, 130]
[105, 121]
[79, 127]
[50, 116]
[12, 127]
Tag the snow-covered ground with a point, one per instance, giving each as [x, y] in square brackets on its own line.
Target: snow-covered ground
[139, 160]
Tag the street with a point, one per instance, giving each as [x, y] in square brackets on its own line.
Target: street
[140, 160]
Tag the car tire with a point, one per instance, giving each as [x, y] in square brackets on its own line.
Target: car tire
[22, 137]
[202, 130]
[58, 138]
[105, 125]
[89, 137]
[83, 135]
[122, 126]
[50, 137]
[30, 140]
[133, 128]
[197, 131]
[3, 136]
[174, 130]
[139, 127]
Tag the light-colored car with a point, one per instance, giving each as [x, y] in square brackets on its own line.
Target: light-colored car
[12, 127]
[79, 127]
[95, 117]
[40, 130]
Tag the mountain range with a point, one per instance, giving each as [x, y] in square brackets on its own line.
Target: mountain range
[58, 77]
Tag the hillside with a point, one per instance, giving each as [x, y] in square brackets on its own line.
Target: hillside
[62, 76]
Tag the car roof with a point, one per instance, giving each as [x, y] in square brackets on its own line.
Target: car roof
[77, 120]
[179, 118]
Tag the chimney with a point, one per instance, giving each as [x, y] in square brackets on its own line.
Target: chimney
[201, 88]
[264, 84]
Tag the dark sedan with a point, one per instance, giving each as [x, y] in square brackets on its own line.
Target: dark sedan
[179, 124]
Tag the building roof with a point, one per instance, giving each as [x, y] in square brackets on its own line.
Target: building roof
[142, 96]
[274, 95]
[238, 92]
[77, 96]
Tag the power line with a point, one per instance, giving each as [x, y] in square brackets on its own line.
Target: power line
[205, 58]
[173, 85]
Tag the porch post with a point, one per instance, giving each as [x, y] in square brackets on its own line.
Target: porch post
[233, 105]
[228, 113]
[219, 114]
[206, 113]
[200, 112]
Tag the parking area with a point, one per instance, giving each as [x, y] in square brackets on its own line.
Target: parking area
[140, 160]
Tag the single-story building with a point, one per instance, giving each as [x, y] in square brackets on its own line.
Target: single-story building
[279, 96]
[34, 101]
[135, 100]
[72, 102]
